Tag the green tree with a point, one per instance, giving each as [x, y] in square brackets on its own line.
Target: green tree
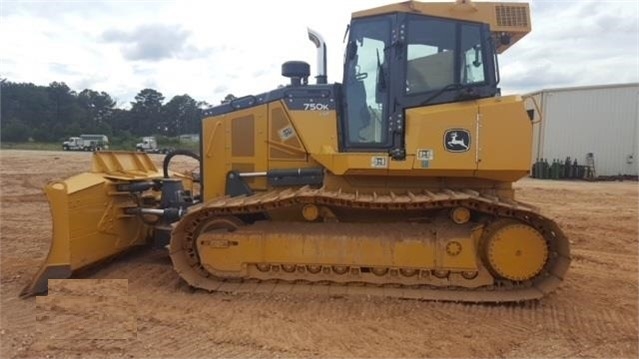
[15, 131]
[181, 115]
[228, 98]
[26, 103]
[66, 111]
[146, 112]
[120, 121]
[98, 107]
[54, 112]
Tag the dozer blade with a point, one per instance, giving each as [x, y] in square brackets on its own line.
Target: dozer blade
[89, 219]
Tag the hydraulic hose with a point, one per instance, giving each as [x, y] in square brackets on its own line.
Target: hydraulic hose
[170, 155]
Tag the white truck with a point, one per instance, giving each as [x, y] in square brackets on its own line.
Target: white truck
[86, 143]
[150, 145]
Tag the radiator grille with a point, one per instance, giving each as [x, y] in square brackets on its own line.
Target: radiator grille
[515, 16]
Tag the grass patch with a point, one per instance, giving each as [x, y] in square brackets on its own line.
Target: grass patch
[39, 146]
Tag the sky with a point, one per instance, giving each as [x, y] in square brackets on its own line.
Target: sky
[208, 49]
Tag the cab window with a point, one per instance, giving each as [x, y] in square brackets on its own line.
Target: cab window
[430, 54]
[365, 77]
[440, 53]
[472, 63]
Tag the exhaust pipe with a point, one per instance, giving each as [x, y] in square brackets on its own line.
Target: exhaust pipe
[317, 39]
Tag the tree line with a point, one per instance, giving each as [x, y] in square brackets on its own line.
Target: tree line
[55, 112]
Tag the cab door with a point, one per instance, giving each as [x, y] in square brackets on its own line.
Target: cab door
[364, 124]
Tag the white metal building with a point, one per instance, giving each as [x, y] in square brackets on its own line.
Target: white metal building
[602, 120]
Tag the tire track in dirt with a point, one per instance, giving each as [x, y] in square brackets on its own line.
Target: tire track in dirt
[23, 317]
[157, 282]
[593, 314]
[606, 261]
[148, 280]
[165, 321]
[37, 197]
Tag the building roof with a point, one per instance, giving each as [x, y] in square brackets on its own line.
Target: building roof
[589, 87]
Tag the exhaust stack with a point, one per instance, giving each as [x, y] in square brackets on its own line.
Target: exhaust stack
[317, 39]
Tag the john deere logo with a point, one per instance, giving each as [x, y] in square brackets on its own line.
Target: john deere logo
[457, 140]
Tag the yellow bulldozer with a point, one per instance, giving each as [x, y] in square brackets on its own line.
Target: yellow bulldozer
[395, 182]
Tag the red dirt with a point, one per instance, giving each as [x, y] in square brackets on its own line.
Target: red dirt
[593, 314]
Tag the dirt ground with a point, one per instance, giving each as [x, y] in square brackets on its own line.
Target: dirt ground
[593, 314]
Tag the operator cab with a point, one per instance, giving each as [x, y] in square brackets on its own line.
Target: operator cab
[398, 61]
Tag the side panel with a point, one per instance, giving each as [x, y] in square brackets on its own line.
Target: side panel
[234, 141]
[485, 139]
[213, 156]
[284, 142]
[533, 102]
[435, 136]
[316, 129]
[505, 139]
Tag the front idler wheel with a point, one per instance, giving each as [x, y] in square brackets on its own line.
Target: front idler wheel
[514, 250]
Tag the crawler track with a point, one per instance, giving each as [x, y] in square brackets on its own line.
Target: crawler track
[186, 261]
